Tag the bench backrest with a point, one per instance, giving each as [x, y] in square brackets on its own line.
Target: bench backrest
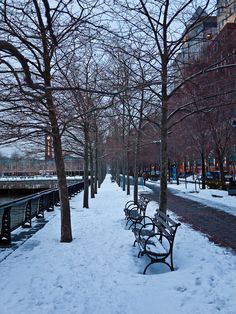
[143, 201]
[165, 224]
[142, 204]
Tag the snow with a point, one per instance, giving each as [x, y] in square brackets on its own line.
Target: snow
[211, 197]
[99, 272]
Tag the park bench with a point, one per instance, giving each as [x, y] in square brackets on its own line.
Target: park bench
[155, 239]
[134, 213]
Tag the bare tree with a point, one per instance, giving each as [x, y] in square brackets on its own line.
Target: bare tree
[82, 133]
[162, 27]
[39, 37]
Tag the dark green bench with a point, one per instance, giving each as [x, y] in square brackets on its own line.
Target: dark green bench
[155, 239]
[134, 213]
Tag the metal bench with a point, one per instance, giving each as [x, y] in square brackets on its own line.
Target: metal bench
[155, 239]
[134, 213]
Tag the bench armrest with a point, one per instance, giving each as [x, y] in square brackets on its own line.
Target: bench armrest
[130, 208]
[150, 226]
[146, 220]
[129, 203]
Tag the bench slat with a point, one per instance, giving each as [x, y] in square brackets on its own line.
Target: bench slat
[156, 248]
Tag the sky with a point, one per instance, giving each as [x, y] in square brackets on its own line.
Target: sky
[8, 150]
[99, 272]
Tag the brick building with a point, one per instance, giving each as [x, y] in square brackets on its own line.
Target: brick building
[226, 13]
[212, 88]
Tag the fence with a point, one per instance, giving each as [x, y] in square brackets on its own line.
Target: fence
[20, 212]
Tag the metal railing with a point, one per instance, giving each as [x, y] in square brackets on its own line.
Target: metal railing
[20, 212]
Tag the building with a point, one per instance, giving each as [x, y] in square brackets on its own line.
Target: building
[194, 43]
[226, 13]
[197, 38]
[24, 166]
[215, 88]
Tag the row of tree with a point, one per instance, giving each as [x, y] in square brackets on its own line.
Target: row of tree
[84, 72]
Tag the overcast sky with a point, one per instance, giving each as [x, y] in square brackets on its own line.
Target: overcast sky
[8, 150]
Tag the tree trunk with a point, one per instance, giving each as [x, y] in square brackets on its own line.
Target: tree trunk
[221, 168]
[177, 173]
[164, 160]
[86, 174]
[128, 167]
[99, 173]
[123, 174]
[96, 170]
[135, 185]
[203, 170]
[66, 233]
[117, 172]
[123, 148]
[91, 174]
[136, 173]
[128, 177]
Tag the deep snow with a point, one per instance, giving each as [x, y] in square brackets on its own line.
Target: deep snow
[99, 272]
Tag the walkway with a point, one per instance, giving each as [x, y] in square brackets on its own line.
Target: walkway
[99, 272]
[219, 226]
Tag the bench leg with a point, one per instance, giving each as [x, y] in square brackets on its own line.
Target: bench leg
[170, 266]
[127, 222]
[171, 263]
[156, 262]
[144, 272]
[131, 225]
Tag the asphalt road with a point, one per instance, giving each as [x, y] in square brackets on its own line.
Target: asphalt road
[219, 226]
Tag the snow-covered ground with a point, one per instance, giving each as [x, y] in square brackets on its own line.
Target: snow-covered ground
[99, 272]
[216, 198]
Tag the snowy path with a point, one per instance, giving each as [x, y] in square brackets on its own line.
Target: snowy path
[99, 273]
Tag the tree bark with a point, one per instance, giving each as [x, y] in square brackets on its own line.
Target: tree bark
[66, 233]
[164, 159]
[86, 174]
[91, 173]
[203, 170]
[128, 176]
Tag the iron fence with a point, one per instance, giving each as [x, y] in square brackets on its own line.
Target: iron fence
[19, 213]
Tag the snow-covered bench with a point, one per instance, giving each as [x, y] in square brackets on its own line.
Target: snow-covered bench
[155, 239]
[134, 213]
